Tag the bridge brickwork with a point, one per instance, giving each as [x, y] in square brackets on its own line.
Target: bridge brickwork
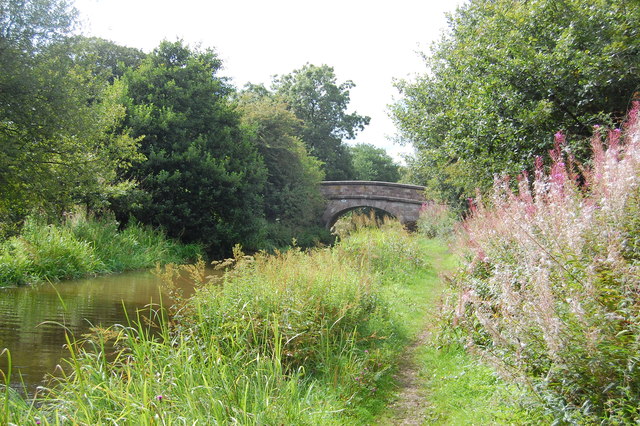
[399, 200]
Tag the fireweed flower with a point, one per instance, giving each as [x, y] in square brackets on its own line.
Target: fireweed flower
[560, 138]
[547, 244]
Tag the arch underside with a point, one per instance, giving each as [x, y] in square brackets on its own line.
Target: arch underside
[404, 212]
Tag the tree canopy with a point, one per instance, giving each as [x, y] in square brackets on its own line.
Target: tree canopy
[292, 198]
[59, 138]
[203, 175]
[371, 163]
[161, 137]
[506, 76]
[315, 96]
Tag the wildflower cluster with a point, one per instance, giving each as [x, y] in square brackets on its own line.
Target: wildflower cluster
[551, 286]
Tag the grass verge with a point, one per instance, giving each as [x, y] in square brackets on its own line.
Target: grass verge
[84, 246]
[440, 382]
[291, 338]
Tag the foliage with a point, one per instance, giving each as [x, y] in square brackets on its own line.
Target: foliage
[292, 199]
[389, 250]
[550, 285]
[371, 163]
[359, 219]
[30, 25]
[58, 139]
[506, 76]
[82, 246]
[203, 176]
[291, 338]
[314, 95]
[106, 59]
[436, 220]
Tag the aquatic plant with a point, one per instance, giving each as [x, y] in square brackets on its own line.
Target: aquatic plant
[83, 246]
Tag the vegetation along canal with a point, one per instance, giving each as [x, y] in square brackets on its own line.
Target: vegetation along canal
[34, 319]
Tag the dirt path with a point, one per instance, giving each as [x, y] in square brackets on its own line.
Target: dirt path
[411, 403]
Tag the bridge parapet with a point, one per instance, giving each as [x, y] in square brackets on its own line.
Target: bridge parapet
[352, 188]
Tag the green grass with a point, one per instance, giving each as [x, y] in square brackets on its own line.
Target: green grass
[84, 246]
[459, 388]
[291, 338]
[462, 390]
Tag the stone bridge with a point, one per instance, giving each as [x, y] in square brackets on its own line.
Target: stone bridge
[399, 200]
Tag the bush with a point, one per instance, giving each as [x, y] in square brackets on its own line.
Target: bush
[436, 220]
[551, 287]
[282, 235]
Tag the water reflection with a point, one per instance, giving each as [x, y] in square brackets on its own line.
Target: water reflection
[33, 319]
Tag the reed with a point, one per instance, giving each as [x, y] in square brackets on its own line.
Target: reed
[83, 246]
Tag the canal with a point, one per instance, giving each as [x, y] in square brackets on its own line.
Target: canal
[35, 319]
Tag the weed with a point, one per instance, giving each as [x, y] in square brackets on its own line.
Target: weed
[550, 288]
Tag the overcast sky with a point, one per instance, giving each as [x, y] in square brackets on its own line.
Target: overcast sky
[369, 42]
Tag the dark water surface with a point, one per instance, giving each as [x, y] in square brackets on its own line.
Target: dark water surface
[33, 318]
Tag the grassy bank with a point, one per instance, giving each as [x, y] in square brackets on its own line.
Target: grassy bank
[84, 246]
[298, 337]
[293, 338]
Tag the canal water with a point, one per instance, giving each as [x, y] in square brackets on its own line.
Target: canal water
[34, 319]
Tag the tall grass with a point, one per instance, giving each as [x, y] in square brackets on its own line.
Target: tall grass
[291, 338]
[436, 221]
[551, 288]
[82, 246]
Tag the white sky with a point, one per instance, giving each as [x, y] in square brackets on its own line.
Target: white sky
[369, 42]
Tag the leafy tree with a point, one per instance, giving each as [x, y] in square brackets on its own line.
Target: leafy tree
[28, 25]
[107, 60]
[58, 143]
[509, 74]
[371, 163]
[203, 176]
[292, 192]
[317, 99]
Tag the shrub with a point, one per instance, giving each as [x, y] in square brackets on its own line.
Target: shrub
[436, 220]
[551, 286]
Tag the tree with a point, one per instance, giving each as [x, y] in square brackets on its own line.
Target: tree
[317, 99]
[292, 198]
[107, 60]
[28, 25]
[58, 138]
[508, 75]
[371, 163]
[203, 176]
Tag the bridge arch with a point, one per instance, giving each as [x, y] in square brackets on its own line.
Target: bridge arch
[399, 200]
